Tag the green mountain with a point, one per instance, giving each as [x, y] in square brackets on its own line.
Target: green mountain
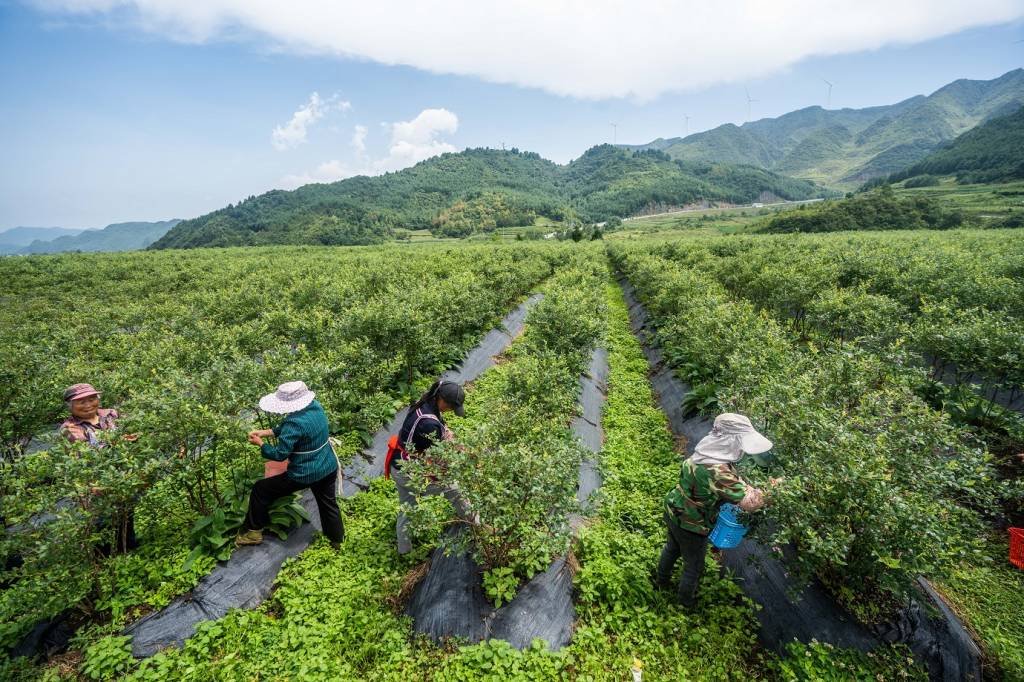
[115, 237]
[845, 147]
[478, 189]
[992, 152]
[16, 238]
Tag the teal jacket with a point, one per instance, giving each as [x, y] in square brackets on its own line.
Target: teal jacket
[302, 439]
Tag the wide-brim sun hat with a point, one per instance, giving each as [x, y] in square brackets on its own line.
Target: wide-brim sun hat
[752, 442]
[730, 438]
[289, 397]
[79, 391]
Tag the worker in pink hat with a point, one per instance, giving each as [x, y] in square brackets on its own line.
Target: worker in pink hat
[87, 417]
[84, 425]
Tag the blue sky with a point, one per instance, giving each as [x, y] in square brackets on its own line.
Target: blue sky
[111, 116]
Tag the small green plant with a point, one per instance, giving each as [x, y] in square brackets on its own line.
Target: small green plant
[818, 661]
[108, 659]
[214, 535]
[702, 399]
[500, 585]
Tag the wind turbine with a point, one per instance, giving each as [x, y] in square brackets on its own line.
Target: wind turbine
[828, 102]
[686, 130]
[615, 132]
[749, 100]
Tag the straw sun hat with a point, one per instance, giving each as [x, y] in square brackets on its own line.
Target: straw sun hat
[289, 397]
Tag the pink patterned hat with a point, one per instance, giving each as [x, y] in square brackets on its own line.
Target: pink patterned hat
[78, 391]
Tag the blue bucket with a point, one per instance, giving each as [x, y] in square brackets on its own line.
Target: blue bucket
[728, 532]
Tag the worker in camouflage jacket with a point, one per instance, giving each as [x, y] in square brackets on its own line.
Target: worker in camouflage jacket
[708, 479]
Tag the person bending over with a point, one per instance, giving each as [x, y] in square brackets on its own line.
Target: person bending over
[423, 426]
[303, 440]
[707, 480]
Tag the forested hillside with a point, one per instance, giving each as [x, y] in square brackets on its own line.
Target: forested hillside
[880, 209]
[992, 152]
[845, 147]
[479, 189]
[607, 182]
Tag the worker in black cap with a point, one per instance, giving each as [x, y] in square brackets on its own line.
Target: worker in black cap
[423, 426]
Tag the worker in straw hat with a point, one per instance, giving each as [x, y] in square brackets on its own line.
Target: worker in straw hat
[707, 480]
[302, 439]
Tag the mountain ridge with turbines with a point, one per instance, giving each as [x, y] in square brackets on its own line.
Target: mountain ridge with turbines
[845, 147]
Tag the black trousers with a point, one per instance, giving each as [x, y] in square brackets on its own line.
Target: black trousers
[266, 490]
[692, 547]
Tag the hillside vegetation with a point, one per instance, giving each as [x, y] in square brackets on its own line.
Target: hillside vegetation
[845, 147]
[992, 152]
[879, 209]
[479, 189]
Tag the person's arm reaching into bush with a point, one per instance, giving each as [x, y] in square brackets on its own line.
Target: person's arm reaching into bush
[288, 434]
[729, 487]
[261, 434]
[755, 498]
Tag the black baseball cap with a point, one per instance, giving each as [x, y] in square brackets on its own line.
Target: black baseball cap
[453, 395]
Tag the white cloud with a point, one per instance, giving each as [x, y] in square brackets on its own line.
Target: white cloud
[416, 140]
[359, 140]
[293, 133]
[568, 47]
[411, 142]
[328, 171]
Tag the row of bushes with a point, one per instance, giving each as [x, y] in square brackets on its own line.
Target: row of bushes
[515, 461]
[879, 487]
[963, 325]
[880, 209]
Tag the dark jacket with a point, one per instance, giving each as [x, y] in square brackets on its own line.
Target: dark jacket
[428, 431]
[302, 439]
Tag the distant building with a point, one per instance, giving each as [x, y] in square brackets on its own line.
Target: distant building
[757, 204]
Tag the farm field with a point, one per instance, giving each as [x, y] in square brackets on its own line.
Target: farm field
[986, 203]
[181, 346]
[981, 206]
[722, 220]
[884, 367]
[362, 344]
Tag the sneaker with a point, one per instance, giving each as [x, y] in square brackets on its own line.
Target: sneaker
[248, 537]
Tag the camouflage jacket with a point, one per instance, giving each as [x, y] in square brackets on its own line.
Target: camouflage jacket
[76, 430]
[694, 503]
